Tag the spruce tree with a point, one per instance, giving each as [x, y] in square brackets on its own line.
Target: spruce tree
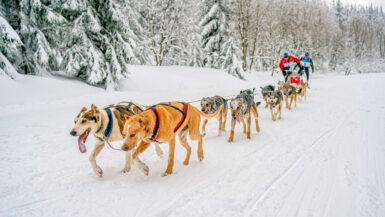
[10, 49]
[214, 24]
[231, 62]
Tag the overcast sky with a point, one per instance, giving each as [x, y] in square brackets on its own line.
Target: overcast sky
[365, 2]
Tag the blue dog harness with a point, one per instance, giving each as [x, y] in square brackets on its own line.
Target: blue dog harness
[109, 127]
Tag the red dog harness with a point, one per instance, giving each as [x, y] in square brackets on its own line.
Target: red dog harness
[156, 128]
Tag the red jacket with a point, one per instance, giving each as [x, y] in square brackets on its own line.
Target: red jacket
[289, 63]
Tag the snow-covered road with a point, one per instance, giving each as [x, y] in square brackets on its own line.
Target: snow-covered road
[324, 158]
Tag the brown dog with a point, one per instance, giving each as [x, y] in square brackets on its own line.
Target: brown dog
[210, 105]
[275, 101]
[301, 90]
[105, 124]
[160, 123]
[241, 108]
[289, 94]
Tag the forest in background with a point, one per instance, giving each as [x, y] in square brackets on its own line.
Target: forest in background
[95, 40]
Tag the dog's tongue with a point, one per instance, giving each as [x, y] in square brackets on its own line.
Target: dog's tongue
[81, 142]
[238, 119]
[271, 105]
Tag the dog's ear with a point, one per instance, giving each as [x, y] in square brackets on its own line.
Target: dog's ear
[126, 117]
[94, 108]
[143, 121]
[83, 110]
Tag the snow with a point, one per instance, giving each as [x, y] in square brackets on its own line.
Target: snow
[324, 158]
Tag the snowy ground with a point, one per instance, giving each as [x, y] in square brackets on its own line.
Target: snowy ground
[324, 158]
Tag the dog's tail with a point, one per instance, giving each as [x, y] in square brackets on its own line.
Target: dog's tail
[209, 116]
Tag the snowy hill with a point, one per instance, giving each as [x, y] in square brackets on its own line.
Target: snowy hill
[324, 158]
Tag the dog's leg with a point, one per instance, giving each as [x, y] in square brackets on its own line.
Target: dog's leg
[287, 102]
[171, 152]
[291, 101]
[204, 127]
[220, 124]
[295, 100]
[255, 113]
[233, 122]
[244, 125]
[183, 140]
[280, 110]
[140, 149]
[97, 148]
[276, 112]
[248, 125]
[272, 113]
[224, 114]
[127, 166]
[158, 150]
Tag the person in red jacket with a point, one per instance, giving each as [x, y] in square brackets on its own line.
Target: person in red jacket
[287, 65]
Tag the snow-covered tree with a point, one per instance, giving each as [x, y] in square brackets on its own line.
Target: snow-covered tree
[10, 53]
[231, 62]
[214, 25]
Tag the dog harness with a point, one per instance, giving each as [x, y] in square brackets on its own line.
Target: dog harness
[110, 124]
[216, 101]
[156, 128]
[290, 92]
[126, 108]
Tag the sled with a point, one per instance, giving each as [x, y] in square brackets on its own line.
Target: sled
[295, 79]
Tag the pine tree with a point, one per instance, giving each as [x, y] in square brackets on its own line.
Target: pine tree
[101, 43]
[10, 53]
[231, 62]
[214, 24]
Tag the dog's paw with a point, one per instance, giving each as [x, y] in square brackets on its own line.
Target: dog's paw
[166, 174]
[185, 162]
[201, 157]
[99, 172]
[145, 170]
[126, 170]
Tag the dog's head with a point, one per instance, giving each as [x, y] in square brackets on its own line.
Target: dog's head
[237, 106]
[272, 100]
[86, 122]
[266, 90]
[207, 104]
[134, 130]
[286, 89]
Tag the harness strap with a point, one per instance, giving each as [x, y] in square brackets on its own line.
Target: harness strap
[169, 105]
[156, 129]
[185, 108]
[131, 103]
[110, 124]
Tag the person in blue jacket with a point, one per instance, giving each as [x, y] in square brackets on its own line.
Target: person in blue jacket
[306, 63]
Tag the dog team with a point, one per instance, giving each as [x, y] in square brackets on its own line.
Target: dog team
[140, 126]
